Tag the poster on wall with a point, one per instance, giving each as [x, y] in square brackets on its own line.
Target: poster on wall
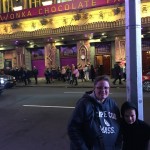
[68, 51]
[37, 54]
[101, 48]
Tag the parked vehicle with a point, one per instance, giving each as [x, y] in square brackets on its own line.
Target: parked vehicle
[7, 81]
[146, 81]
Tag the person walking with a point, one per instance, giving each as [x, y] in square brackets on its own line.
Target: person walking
[94, 124]
[92, 73]
[35, 74]
[136, 133]
[82, 76]
[75, 76]
[63, 74]
[86, 72]
[24, 75]
[118, 73]
[47, 75]
[124, 72]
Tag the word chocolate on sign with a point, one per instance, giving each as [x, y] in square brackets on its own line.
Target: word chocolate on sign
[56, 8]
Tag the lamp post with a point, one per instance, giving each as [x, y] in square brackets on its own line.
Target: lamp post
[133, 54]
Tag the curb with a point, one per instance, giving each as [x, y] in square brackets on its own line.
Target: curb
[66, 86]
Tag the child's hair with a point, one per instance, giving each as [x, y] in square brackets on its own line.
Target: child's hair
[126, 106]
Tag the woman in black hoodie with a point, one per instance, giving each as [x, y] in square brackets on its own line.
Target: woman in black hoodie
[136, 133]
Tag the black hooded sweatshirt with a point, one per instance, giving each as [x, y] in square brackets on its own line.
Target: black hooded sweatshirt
[136, 136]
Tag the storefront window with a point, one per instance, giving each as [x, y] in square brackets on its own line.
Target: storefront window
[8, 5]
[35, 3]
[61, 1]
[49, 2]
[1, 7]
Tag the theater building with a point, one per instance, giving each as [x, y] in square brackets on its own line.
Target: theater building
[52, 33]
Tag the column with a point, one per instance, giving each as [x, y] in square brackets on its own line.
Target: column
[20, 58]
[120, 54]
[133, 54]
[50, 55]
[27, 58]
[25, 4]
[83, 53]
[1, 7]
[4, 6]
[1, 60]
[14, 61]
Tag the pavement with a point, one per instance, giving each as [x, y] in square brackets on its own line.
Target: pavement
[56, 83]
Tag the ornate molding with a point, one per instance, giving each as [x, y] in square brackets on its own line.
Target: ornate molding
[71, 29]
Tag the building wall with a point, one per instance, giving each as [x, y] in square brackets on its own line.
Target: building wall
[62, 21]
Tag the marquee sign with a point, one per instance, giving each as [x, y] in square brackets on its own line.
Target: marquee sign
[56, 8]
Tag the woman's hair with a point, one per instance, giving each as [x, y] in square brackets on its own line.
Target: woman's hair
[101, 78]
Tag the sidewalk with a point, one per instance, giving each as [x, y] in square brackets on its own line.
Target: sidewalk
[56, 83]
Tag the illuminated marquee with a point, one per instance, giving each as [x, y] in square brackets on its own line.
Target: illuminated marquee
[56, 8]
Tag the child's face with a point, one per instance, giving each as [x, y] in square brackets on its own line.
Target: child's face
[130, 116]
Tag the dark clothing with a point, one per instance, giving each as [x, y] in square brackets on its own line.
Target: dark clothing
[95, 126]
[47, 76]
[35, 74]
[25, 76]
[136, 136]
[92, 73]
[118, 74]
[82, 75]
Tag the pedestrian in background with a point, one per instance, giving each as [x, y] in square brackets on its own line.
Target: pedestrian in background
[124, 72]
[82, 76]
[92, 73]
[94, 124]
[35, 74]
[63, 74]
[117, 73]
[75, 75]
[136, 133]
[86, 72]
[47, 75]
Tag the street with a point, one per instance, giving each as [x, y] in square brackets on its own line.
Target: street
[35, 118]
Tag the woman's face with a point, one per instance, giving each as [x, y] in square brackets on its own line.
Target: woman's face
[102, 90]
[130, 116]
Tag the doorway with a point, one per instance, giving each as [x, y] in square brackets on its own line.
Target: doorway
[145, 60]
[7, 63]
[104, 62]
[40, 65]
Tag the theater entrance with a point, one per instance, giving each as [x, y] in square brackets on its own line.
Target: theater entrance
[104, 63]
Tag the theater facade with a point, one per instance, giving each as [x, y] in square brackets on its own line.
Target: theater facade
[66, 32]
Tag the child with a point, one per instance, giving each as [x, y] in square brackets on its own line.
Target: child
[136, 133]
